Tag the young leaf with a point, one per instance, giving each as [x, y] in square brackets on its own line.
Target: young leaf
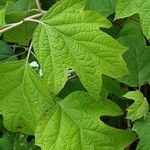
[129, 7]
[74, 124]
[139, 108]
[142, 127]
[106, 7]
[23, 96]
[69, 37]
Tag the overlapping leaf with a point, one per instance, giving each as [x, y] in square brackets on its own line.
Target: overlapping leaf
[6, 52]
[142, 127]
[137, 56]
[139, 108]
[129, 7]
[112, 86]
[73, 124]
[106, 7]
[15, 9]
[20, 35]
[69, 37]
[23, 97]
[19, 6]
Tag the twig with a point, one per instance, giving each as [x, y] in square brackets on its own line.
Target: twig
[30, 18]
[11, 26]
[38, 5]
[29, 52]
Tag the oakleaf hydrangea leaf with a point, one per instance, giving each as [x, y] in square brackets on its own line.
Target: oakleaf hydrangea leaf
[20, 6]
[139, 108]
[136, 57]
[127, 8]
[69, 37]
[23, 97]
[74, 124]
[105, 7]
[142, 127]
[20, 35]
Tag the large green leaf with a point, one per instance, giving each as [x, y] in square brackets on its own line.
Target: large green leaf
[106, 7]
[23, 96]
[139, 108]
[137, 56]
[74, 124]
[142, 127]
[69, 37]
[127, 8]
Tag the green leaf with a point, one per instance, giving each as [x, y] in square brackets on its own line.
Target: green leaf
[131, 27]
[20, 35]
[106, 7]
[137, 56]
[112, 86]
[6, 52]
[74, 124]
[18, 10]
[142, 127]
[23, 97]
[129, 7]
[6, 140]
[20, 6]
[139, 108]
[69, 37]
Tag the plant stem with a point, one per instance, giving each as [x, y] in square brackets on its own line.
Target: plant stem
[38, 5]
[30, 18]
[29, 52]
[11, 26]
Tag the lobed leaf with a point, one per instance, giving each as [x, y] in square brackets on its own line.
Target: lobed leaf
[142, 127]
[129, 7]
[23, 97]
[74, 124]
[139, 108]
[69, 37]
[137, 56]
